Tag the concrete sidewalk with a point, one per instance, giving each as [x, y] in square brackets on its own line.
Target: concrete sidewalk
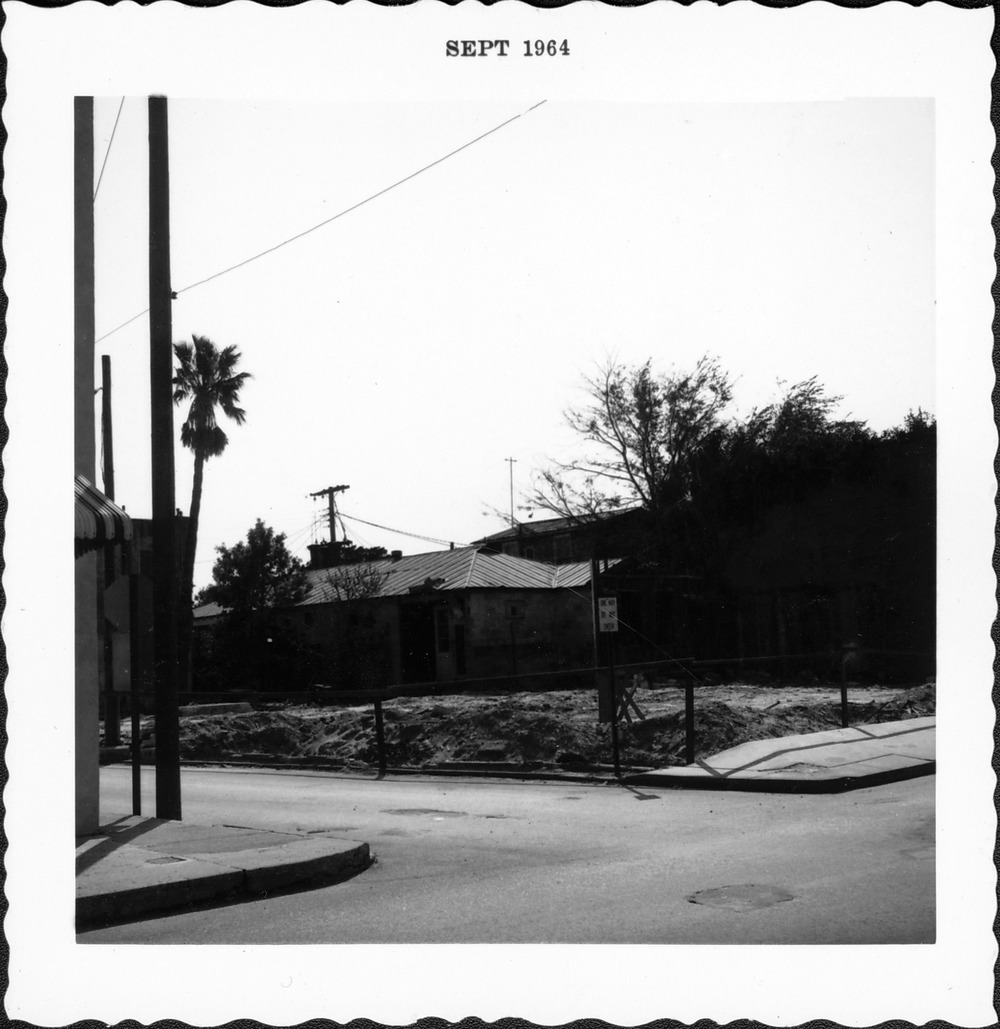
[134, 865]
[819, 762]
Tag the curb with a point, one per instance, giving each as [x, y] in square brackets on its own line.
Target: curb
[220, 882]
[781, 783]
[597, 774]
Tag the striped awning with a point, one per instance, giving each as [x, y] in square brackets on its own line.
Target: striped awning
[98, 520]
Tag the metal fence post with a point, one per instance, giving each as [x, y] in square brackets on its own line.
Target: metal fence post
[689, 723]
[843, 690]
[615, 745]
[380, 737]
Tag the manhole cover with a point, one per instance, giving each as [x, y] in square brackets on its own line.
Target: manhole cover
[163, 860]
[749, 897]
[424, 811]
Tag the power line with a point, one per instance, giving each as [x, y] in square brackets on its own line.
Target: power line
[108, 151]
[361, 203]
[134, 317]
[299, 534]
[319, 225]
[398, 532]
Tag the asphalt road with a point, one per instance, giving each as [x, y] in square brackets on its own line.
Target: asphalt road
[509, 862]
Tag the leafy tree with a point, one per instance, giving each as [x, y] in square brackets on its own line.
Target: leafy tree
[207, 377]
[787, 527]
[252, 580]
[776, 454]
[256, 575]
[832, 521]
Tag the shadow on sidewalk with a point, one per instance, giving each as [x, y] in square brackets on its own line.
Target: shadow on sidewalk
[112, 836]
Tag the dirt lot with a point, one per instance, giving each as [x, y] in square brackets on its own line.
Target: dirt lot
[557, 728]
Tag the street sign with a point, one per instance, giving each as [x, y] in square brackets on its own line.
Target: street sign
[607, 614]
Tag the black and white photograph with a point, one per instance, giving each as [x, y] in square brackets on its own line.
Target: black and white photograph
[533, 484]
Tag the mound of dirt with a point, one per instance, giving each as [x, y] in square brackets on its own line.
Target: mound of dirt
[558, 728]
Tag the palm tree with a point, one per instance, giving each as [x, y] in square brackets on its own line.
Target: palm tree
[208, 378]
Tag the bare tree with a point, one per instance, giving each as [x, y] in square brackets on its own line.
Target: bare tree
[640, 431]
[356, 582]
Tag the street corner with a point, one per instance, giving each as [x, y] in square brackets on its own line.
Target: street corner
[138, 866]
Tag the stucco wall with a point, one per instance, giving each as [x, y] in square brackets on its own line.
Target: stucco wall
[517, 631]
[505, 632]
[87, 763]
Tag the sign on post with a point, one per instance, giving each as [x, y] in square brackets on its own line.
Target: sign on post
[607, 614]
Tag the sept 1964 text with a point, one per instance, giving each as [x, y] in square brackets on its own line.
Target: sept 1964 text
[502, 48]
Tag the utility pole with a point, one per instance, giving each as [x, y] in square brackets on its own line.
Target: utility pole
[107, 429]
[165, 578]
[511, 461]
[83, 260]
[87, 590]
[330, 493]
[112, 735]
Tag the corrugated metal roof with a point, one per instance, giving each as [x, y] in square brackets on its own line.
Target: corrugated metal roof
[98, 520]
[576, 573]
[462, 568]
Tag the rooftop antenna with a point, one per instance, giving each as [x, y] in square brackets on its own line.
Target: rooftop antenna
[511, 461]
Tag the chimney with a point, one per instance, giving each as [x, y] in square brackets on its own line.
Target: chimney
[397, 555]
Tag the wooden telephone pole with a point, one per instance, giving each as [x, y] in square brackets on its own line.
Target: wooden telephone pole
[112, 734]
[330, 493]
[166, 594]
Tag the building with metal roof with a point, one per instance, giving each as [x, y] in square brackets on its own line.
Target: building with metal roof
[463, 568]
[448, 615]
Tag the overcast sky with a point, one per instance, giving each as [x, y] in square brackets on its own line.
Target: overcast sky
[411, 346]
[699, 179]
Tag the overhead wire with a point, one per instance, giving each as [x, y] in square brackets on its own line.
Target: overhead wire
[399, 532]
[327, 221]
[108, 151]
[294, 540]
[644, 638]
